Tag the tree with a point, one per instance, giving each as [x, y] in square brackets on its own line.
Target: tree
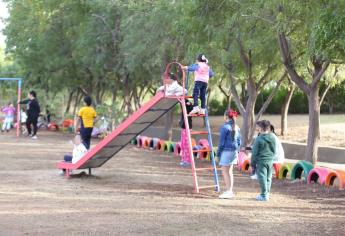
[315, 31]
[244, 47]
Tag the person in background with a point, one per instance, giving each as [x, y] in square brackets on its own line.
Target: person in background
[23, 118]
[262, 157]
[87, 115]
[202, 74]
[279, 156]
[228, 148]
[185, 157]
[33, 110]
[9, 110]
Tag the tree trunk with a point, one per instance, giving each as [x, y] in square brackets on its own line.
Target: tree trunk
[314, 125]
[285, 109]
[229, 99]
[248, 122]
[70, 96]
[78, 97]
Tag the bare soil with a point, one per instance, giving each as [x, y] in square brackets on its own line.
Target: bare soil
[143, 192]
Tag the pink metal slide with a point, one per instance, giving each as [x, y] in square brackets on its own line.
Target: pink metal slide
[120, 137]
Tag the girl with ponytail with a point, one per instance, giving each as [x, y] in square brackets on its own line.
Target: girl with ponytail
[228, 148]
[202, 74]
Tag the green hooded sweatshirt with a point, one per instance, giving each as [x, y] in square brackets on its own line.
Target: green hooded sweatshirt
[263, 148]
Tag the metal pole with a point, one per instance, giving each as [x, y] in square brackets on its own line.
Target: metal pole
[18, 107]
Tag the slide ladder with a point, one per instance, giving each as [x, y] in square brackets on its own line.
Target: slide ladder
[195, 169]
[209, 149]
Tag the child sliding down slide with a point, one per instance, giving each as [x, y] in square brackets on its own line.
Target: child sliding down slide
[202, 74]
[79, 150]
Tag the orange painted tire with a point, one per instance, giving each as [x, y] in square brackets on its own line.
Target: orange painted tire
[242, 156]
[146, 142]
[318, 175]
[336, 175]
[246, 166]
[193, 142]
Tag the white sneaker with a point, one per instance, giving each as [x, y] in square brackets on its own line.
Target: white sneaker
[254, 177]
[34, 137]
[227, 195]
[195, 110]
[202, 112]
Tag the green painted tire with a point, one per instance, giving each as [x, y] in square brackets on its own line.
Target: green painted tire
[301, 170]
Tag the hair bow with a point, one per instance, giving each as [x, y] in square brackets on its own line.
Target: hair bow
[232, 114]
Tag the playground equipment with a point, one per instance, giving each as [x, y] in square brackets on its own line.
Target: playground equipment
[285, 170]
[242, 156]
[276, 167]
[138, 122]
[336, 176]
[19, 93]
[153, 143]
[318, 175]
[177, 149]
[301, 170]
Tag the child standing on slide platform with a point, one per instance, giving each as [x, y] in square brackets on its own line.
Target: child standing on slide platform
[86, 114]
[262, 157]
[202, 73]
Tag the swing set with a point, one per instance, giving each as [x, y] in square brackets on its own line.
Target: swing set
[19, 92]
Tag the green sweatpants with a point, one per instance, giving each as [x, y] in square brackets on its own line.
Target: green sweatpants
[264, 172]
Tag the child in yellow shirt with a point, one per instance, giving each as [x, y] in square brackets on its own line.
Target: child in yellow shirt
[86, 115]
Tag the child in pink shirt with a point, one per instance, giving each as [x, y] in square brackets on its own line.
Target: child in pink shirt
[9, 111]
[202, 73]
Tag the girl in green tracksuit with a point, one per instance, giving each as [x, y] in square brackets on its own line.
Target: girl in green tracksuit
[262, 157]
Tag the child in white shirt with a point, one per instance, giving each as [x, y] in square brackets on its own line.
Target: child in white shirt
[172, 87]
[79, 150]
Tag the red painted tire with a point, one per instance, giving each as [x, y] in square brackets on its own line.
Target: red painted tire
[318, 175]
[276, 167]
[336, 176]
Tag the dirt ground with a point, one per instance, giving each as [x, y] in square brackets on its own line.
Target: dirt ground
[142, 192]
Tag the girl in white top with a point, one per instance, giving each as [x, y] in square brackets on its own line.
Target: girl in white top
[279, 156]
[79, 150]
